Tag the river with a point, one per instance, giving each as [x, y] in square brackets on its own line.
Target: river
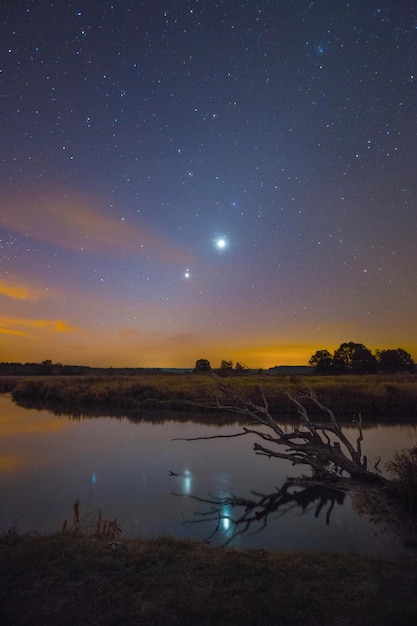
[142, 475]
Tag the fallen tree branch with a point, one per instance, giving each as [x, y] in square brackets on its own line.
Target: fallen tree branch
[321, 445]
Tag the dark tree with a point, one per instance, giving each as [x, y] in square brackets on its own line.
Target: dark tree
[322, 361]
[202, 365]
[47, 367]
[225, 369]
[353, 358]
[393, 361]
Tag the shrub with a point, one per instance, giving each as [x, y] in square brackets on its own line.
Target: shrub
[403, 468]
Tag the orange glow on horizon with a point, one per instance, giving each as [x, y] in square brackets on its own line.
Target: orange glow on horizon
[110, 351]
[105, 291]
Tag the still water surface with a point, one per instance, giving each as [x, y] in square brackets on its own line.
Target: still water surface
[124, 468]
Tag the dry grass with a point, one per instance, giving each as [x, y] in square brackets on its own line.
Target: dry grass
[376, 397]
[403, 469]
[91, 524]
[75, 580]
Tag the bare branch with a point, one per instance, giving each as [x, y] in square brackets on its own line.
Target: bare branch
[321, 445]
[210, 437]
[359, 440]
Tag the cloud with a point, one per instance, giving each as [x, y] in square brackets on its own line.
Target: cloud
[17, 292]
[9, 331]
[81, 223]
[25, 327]
[56, 326]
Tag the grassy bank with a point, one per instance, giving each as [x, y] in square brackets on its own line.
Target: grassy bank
[376, 397]
[74, 580]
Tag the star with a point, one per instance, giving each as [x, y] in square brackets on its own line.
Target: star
[220, 243]
[155, 166]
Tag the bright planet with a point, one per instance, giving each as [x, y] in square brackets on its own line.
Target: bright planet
[230, 138]
[221, 243]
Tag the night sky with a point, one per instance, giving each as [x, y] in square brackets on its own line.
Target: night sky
[206, 179]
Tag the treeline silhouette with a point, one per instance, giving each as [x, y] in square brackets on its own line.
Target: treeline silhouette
[356, 358]
[48, 368]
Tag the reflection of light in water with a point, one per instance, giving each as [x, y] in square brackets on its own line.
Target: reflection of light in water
[186, 482]
[90, 495]
[225, 523]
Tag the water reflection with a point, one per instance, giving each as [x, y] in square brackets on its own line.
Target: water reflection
[235, 516]
[136, 416]
[130, 470]
[186, 481]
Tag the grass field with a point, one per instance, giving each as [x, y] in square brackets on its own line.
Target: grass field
[376, 397]
[74, 580]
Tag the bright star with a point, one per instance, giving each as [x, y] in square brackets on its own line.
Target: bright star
[220, 243]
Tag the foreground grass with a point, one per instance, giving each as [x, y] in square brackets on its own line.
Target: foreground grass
[75, 580]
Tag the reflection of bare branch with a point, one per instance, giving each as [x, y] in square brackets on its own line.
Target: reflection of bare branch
[257, 511]
[321, 445]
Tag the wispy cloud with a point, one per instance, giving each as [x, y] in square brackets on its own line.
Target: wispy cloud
[9, 331]
[17, 292]
[26, 327]
[81, 223]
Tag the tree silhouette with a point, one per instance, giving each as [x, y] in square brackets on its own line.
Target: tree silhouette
[202, 365]
[322, 361]
[393, 361]
[353, 358]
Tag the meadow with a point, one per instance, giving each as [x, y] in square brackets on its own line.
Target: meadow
[66, 580]
[376, 397]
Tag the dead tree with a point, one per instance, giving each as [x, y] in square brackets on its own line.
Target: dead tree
[322, 445]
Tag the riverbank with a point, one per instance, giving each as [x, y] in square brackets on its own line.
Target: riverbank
[154, 396]
[76, 580]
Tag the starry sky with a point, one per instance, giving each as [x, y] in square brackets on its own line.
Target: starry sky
[220, 179]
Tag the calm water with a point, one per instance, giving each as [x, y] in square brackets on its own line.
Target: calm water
[47, 462]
